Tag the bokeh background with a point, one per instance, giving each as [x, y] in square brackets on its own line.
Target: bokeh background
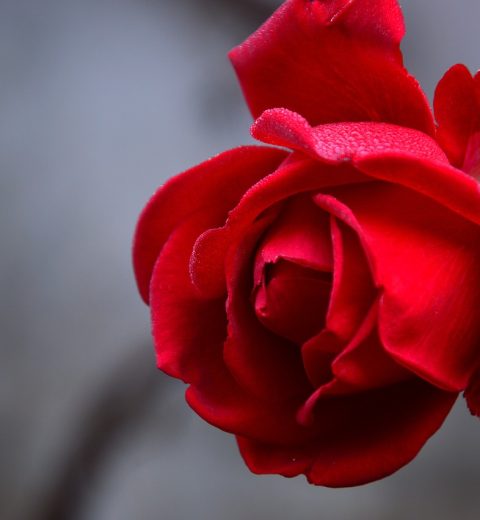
[100, 102]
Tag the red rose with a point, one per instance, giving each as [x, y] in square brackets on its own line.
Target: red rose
[323, 302]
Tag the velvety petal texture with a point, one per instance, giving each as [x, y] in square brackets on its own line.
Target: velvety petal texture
[210, 188]
[293, 272]
[207, 266]
[332, 60]
[322, 300]
[367, 437]
[419, 248]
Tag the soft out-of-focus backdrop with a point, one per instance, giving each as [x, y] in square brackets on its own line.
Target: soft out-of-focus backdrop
[100, 102]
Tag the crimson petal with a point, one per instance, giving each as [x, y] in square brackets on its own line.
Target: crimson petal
[457, 110]
[292, 301]
[189, 333]
[472, 394]
[264, 364]
[299, 176]
[339, 142]
[426, 260]
[332, 60]
[365, 437]
[362, 365]
[386, 152]
[214, 186]
[352, 295]
[293, 271]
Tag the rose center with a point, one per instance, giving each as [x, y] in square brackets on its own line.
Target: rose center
[292, 299]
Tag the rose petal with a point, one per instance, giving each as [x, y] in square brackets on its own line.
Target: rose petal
[214, 186]
[292, 271]
[450, 187]
[472, 394]
[223, 403]
[293, 302]
[400, 156]
[338, 142]
[188, 331]
[352, 295]
[426, 260]
[332, 61]
[266, 365]
[353, 289]
[471, 164]
[300, 234]
[457, 110]
[366, 437]
[300, 176]
[362, 365]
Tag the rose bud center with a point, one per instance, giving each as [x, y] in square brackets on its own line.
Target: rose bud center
[293, 272]
[292, 300]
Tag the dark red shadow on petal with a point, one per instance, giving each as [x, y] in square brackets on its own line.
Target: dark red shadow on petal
[362, 365]
[267, 365]
[472, 394]
[364, 438]
[293, 300]
[292, 271]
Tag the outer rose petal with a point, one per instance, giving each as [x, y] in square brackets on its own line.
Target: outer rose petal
[426, 260]
[472, 394]
[371, 436]
[214, 186]
[457, 110]
[343, 141]
[189, 333]
[332, 60]
[386, 152]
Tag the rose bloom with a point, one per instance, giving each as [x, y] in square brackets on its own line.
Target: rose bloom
[322, 299]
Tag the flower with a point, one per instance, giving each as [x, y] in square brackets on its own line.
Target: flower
[322, 299]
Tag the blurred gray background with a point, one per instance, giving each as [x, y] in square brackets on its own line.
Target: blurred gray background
[100, 102]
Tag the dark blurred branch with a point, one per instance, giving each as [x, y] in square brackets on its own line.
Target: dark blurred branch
[124, 399]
